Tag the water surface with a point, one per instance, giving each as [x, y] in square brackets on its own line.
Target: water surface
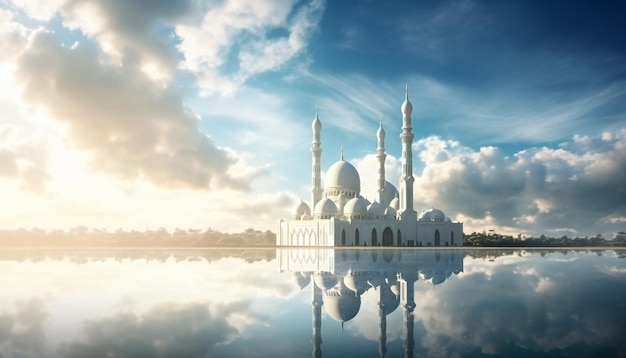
[312, 302]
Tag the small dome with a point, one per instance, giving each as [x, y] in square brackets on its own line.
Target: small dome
[342, 176]
[355, 207]
[389, 193]
[407, 107]
[380, 134]
[447, 220]
[325, 207]
[316, 125]
[301, 209]
[390, 212]
[395, 203]
[375, 209]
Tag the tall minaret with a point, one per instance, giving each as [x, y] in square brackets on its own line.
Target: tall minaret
[316, 153]
[406, 180]
[380, 155]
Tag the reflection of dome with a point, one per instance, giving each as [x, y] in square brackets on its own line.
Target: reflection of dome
[301, 209]
[388, 299]
[325, 207]
[432, 215]
[341, 304]
[356, 282]
[395, 288]
[302, 279]
[355, 208]
[342, 176]
[324, 280]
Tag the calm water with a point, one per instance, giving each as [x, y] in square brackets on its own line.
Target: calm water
[308, 302]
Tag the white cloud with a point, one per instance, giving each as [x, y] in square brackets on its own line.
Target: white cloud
[536, 190]
[243, 30]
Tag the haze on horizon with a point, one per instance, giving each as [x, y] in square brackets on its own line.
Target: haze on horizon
[193, 114]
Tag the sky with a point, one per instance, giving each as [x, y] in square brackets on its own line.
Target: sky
[197, 114]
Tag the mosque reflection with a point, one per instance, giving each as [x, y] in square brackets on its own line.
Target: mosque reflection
[338, 278]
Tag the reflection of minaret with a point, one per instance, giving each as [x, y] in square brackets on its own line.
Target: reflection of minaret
[407, 301]
[382, 336]
[316, 304]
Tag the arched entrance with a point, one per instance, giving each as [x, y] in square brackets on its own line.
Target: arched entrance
[437, 238]
[452, 238]
[343, 237]
[374, 238]
[387, 237]
[356, 237]
[399, 238]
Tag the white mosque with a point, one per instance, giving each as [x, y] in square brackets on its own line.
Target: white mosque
[342, 217]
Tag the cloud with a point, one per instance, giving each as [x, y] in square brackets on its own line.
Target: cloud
[568, 190]
[513, 308]
[261, 36]
[190, 331]
[130, 127]
[22, 334]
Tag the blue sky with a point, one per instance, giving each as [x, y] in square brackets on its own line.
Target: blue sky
[140, 114]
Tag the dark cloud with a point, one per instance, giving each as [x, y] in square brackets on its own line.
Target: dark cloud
[130, 126]
[166, 331]
[22, 334]
[574, 189]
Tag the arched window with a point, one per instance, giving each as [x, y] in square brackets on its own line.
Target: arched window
[452, 238]
[343, 237]
[437, 239]
[387, 237]
[374, 238]
[356, 237]
[399, 238]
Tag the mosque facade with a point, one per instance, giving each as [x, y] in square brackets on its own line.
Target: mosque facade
[342, 217]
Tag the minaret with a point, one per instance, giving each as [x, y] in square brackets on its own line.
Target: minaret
[406, 180]
[380, 155]
[316, 153]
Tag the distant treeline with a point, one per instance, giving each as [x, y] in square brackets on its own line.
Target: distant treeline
[492, 239]
[86, 237]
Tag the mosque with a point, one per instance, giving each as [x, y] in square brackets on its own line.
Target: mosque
[342, 217]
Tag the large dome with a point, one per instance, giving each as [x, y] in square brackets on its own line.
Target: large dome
[342, 176]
